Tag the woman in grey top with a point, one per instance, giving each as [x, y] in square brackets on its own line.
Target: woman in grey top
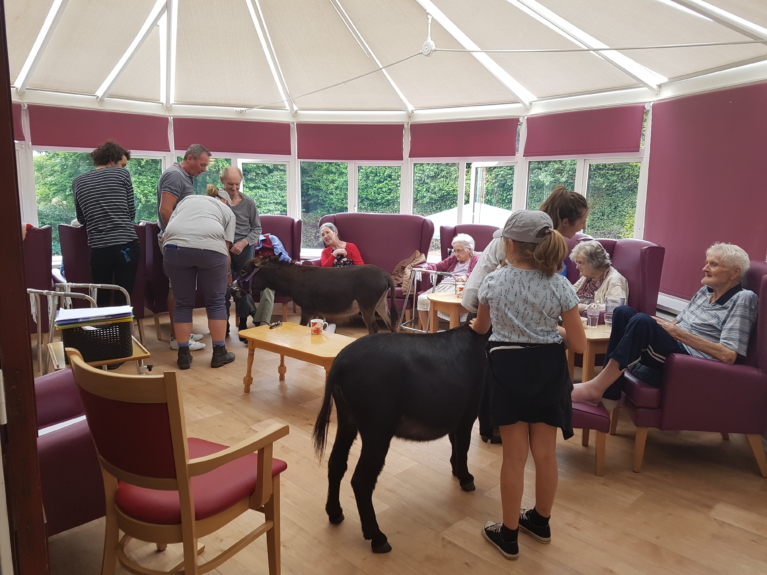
[246, 237]
[196, 252]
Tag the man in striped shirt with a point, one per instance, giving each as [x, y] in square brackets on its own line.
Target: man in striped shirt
[715, 325]
[105, 205]
[176, 183]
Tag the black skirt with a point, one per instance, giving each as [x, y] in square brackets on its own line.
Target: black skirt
[529, 383]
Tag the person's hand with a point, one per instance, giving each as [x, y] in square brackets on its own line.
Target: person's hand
[462, 278]
[237, 247]
[340, 252]
[471, 323]
[562, 332]
[669, 326]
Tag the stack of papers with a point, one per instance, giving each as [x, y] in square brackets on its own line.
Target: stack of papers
[66, 318]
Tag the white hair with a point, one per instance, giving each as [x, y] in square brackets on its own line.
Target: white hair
[594, 252]
[464, 239]
[731, 256]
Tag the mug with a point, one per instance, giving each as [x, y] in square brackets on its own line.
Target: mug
[317, 326]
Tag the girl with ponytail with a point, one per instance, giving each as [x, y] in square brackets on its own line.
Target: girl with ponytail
[527, 382]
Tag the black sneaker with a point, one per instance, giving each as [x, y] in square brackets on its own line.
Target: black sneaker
[220, 356]
[492, 532]
[184, 360]
[540, 534]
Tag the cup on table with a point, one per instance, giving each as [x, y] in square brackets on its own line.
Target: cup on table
[317, 326]
[608, 320]
[592, 315]
[585, 321]
[612, 302]
[459, 288]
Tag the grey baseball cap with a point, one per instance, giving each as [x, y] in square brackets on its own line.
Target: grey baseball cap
[525, 225]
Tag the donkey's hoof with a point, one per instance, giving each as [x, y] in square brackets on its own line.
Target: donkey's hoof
[382, 548]
[468, 486]
[336, 519]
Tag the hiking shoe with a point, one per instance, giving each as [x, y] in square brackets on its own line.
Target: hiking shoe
[184, 360]
[221, 356]
[194, 343]
[540, 534]
[492, 532]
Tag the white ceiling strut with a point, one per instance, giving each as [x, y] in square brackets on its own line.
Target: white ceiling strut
[168, 90]
[725, 18]
[41, 43]
[520, 92]
[152, 20]
[369, 52]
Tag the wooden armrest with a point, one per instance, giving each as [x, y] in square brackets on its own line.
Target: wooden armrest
[202, 465]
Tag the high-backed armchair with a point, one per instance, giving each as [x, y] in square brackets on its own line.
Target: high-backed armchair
[384, 240]
[482, 235]
[707, 395]
[288, 231]
[37, 253]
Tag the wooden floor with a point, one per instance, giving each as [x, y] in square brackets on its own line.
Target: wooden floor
[698, 507]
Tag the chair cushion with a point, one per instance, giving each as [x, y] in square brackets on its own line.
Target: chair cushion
[213, 492]
[590, 417]
[641, 393]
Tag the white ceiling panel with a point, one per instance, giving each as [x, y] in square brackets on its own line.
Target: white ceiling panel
[648, 23]
[316, 49]
[545, 75]
[396, 29]
[23, 20]
[141, 78]
[87, 43]
[219, 59]
[752, 10]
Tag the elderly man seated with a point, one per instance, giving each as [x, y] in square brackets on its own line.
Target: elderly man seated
[716, 324]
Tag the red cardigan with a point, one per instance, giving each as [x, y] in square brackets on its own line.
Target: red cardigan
[327, 258]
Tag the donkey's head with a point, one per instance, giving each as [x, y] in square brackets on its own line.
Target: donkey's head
[249, 280]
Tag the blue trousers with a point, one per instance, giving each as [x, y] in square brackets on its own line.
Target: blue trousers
[637, 336]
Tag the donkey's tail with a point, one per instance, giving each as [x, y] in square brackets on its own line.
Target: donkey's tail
[393, 314]
[320, 435]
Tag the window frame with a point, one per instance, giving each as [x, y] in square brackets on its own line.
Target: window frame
[488, 164]
[242, 159]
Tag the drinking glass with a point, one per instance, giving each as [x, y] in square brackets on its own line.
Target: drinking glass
[593, 317]
[608, 320]
[612, 302]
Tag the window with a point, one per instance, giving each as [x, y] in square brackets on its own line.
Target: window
[378, 189]
[324, 190]
[267, 184]
[209, 176]
[54, 172]
[543, 176]
[612, 195]
[145, 173]
[493, 192]
[435, 196]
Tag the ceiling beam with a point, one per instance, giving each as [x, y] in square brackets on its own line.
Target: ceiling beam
[725, 18]
[641, 74]
[519, 91]
[369, 52]
[168, 91]
[41, 43]
[149, 25]
[257, 15]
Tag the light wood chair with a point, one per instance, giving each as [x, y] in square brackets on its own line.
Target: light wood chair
[163, 487]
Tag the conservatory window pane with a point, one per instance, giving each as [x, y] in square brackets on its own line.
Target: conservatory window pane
[612, 195]
[54, 172]
[435, 196]
[267, 184]
[145, 173]
[378, 189]
[544, 176]
[324, 190]
[493, 192]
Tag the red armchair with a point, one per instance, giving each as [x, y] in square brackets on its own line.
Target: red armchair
[288, 231]
[707, 395]
[481, 234]
[70, 476]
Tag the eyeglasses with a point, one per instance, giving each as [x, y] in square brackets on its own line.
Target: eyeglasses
[275, 324]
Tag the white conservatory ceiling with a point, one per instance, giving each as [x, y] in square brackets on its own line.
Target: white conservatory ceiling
[365, 60]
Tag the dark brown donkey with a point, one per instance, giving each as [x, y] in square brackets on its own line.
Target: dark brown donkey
[324, 292]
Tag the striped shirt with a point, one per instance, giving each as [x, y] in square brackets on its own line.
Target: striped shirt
[105, 205]
[727, 321]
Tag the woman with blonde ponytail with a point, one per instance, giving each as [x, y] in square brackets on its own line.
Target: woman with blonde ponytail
[527, 382]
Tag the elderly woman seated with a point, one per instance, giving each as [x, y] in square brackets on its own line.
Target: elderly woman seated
[716, 325]
[461, 263]
[338, 253]
[599, 280]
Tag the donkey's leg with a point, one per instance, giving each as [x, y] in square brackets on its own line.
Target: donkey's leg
[305, 316]
[346, 433]
[382, 308]
[460, 439]
[369, 317]
[375, 446]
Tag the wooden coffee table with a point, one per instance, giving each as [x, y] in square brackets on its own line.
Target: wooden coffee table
[448, 303]
[293, 340]
[597, 339]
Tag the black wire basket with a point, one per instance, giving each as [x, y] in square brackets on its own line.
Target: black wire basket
[100, 342]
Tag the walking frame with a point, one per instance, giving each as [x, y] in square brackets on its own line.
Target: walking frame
[415, 277]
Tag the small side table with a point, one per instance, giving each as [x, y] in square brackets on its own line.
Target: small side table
[597, 339]
[447, 303]
[139, 354]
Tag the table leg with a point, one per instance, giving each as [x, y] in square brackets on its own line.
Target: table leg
[588, 362]
[455, 318]
[571, 364]
[433, 319]
[282, 369]
[247, 381]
